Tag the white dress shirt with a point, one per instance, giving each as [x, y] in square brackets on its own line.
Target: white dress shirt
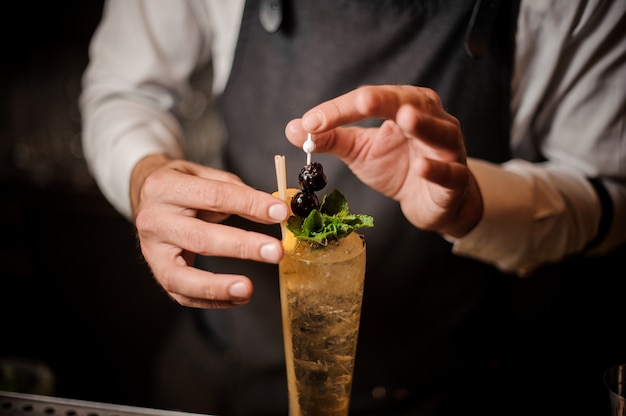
[568, 99]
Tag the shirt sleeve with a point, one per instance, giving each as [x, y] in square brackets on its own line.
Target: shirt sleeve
[569, 118]
[137, 75]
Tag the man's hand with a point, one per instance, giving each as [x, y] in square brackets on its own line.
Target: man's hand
[177, 207]
[417, 156]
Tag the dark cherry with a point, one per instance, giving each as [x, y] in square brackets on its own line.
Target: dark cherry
[312, 177]
[303, 203]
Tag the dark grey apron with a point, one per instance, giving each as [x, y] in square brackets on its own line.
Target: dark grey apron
[433, 324]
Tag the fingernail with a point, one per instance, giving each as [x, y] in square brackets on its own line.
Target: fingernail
[238, 290]
[270, 252]
[278, 212]
[312, 121]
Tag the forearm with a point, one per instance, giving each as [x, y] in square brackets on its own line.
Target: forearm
[536, 214]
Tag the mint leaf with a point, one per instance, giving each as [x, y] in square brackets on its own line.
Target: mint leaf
[334, 204]
[332, 221]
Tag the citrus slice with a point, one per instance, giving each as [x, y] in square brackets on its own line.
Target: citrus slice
[289, 240]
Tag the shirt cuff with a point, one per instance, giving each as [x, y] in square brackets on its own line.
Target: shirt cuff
[533, 214]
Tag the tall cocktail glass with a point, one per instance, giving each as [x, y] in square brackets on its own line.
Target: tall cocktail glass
[321, 290]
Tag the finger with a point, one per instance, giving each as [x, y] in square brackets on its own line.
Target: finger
[205, 304]
[448, 175]
[444, 138]
[436, 132]
[203, 289]
[209, 239]
[369, 102]
[192, 192]
[338, 141]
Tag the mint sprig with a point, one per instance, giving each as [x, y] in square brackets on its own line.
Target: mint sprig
[331, 221]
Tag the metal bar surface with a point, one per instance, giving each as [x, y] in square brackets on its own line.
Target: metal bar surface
[20, 404]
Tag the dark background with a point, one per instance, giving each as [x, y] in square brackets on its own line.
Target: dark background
[75, 295]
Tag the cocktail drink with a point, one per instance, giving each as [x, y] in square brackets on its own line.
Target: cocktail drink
[321, 290]
[322, 276]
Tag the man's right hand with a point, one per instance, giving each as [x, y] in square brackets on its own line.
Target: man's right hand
[178, 206]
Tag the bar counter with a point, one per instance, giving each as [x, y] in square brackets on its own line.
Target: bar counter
[20, 404]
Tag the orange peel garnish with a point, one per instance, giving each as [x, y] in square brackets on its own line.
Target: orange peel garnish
[288, 239]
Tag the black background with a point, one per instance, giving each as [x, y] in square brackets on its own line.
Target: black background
[75, 294]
